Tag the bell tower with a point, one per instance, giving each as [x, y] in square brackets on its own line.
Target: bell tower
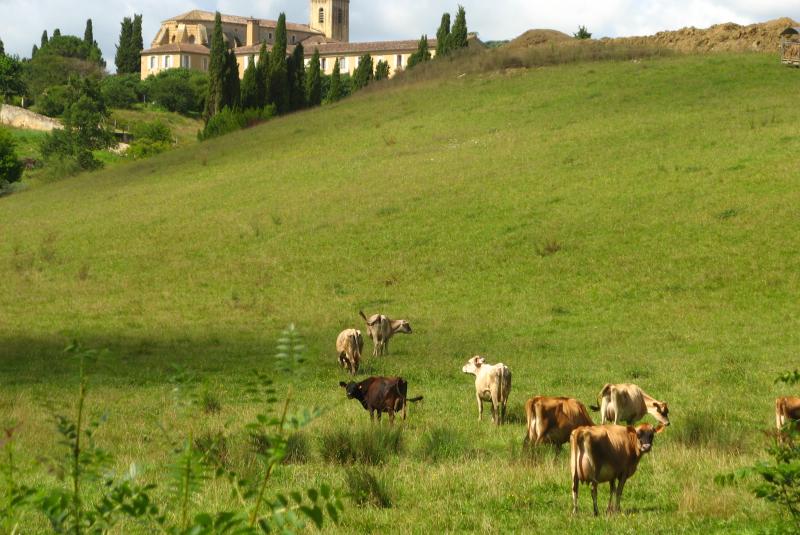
[331, 17]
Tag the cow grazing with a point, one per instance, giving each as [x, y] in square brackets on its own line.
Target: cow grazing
[600, 454]
[381, 329]
[628, 403]
[492, 383]
[787, 411]
[381, 394]
[551, 420]
[349, 345]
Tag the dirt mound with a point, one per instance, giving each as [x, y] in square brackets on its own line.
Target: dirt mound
[729, 37]
[538, 38]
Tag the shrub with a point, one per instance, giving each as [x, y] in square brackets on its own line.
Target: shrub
[442, 443]
[214, 448]
[368, 446]
[366, 489]
[228, 121]
[53, 101]
[121, 90]
[149, 139]
[10, 165]
[178, 90]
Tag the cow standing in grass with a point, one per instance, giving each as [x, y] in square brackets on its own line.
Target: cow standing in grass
[628, 403]
[381, 329]
[551, 420]
[381, 394]
[787, 411]
[493, 384]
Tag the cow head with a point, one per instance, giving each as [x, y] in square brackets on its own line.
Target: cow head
[405, 327]
[473, 365]
[661, 412]
[645, 434]
[353, 390]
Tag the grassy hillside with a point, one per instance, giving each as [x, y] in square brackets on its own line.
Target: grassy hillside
[583, 224]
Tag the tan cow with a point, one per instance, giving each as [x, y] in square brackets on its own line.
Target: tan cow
[609, 453]
[787, 411]
[349, 345]
[381, 329]
[492, 383]
[628, 403]
[551, 420]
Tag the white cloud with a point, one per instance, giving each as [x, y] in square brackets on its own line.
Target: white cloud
[22, 21]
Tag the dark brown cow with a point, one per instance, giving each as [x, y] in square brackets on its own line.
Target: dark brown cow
[552, 419]
[607, 453]
[381, 394]
[787, 411]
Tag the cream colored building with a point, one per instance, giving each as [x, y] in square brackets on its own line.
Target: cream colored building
[184, 41]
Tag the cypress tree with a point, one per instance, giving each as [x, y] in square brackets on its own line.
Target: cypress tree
[57, 33]
[250, 86]
[232, 92]
[443, 36]
[382, 70]
[262, 77]
[121, 58]
[278, 73]
[297, 78]
[44, 40]
[2, 49]
[88, 35]
[314, 81]
[216, 71]
[136, 45]
[335, 91]
[34, 51]
[421, 55]
[458, 34]
[363, 73]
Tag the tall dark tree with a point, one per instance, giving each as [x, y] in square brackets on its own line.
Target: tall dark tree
[314, 81]
[382, 70]
[232, 86]
[363, 73]
[297, 78]
[137, 45]
[34, 51]
[443, 36]
[2, 48]
[459, 33]
[250, 86]
[88, 34]
[421, 55]
[335, 91]
[278, 73]
[262, 77]
[216, 70]
[122, 58]
[44, 40]
[57, 33]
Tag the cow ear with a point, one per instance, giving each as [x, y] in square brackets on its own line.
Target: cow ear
[660, 427]
[479, 361]
[342, 384]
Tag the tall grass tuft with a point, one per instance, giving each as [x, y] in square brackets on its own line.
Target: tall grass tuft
[366, 489]
[442, 443]
[367, 446]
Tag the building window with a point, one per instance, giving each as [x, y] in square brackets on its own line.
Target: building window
[167, 62]
[343, 64]
[321, 15]
[399, 61]
[246, 62]
[152, 63]
[270, 36]
[185, 61]
[339, 16]
[191, 39]
[294, 39]
[324, 64]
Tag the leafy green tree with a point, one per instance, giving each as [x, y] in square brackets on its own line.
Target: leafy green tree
[57, 33]
[363, 73]
[44, 40]
[2, 48]
[178, 90]
[121, 60]
[582, 33]
[34, 51]
[421, 55]
[88, 34]
[150, 139]
[10, 166]
[278, 74]
[262, 76]
[69, 46]
[54, 100]
[250, 86]
[11, 79]
[459, 33]
[443, 36]
[216, 70]
[382, 70]
[335, 91]
[314, 81]
[48, 69]
[297, 78]
[121, 90]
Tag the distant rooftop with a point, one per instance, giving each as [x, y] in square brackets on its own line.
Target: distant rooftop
[197, 15]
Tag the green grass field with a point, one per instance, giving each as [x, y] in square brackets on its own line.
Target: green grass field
[584, 224]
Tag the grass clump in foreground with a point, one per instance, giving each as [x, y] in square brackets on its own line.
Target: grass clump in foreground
[201, 255]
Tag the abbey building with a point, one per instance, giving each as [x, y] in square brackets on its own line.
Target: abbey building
[184, 41]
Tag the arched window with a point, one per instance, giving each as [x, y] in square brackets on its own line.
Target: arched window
[339, 16]
[191, 39]
[321, 15]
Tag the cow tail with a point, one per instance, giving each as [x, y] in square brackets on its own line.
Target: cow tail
[529, 417]
[780, 411]
[416, 399]
[361, 312]
[500, 404]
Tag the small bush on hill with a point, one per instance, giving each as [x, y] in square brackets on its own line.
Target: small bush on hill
[53, 101]
[10, 165]
[366, 489]
[178, 90]
[121, 90]
[368, 446]
[228, 121]
[441, 444]
[150, 139]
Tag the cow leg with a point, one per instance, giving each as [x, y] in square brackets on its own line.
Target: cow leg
[541, 429]
[503, 413]
[495, 409]
[391, 417]
[480, 407]
[386, 347]
[594, 497]
[372, 415]
[620, 486]
[575, 485]
[610, 508]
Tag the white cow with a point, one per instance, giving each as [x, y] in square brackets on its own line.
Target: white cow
[492, 383]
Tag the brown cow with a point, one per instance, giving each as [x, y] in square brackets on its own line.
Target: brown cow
[608, 453]
[787, 411]
[628, 403]
[551, 420]
[381, 394]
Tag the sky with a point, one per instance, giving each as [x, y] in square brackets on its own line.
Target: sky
[22, 21]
